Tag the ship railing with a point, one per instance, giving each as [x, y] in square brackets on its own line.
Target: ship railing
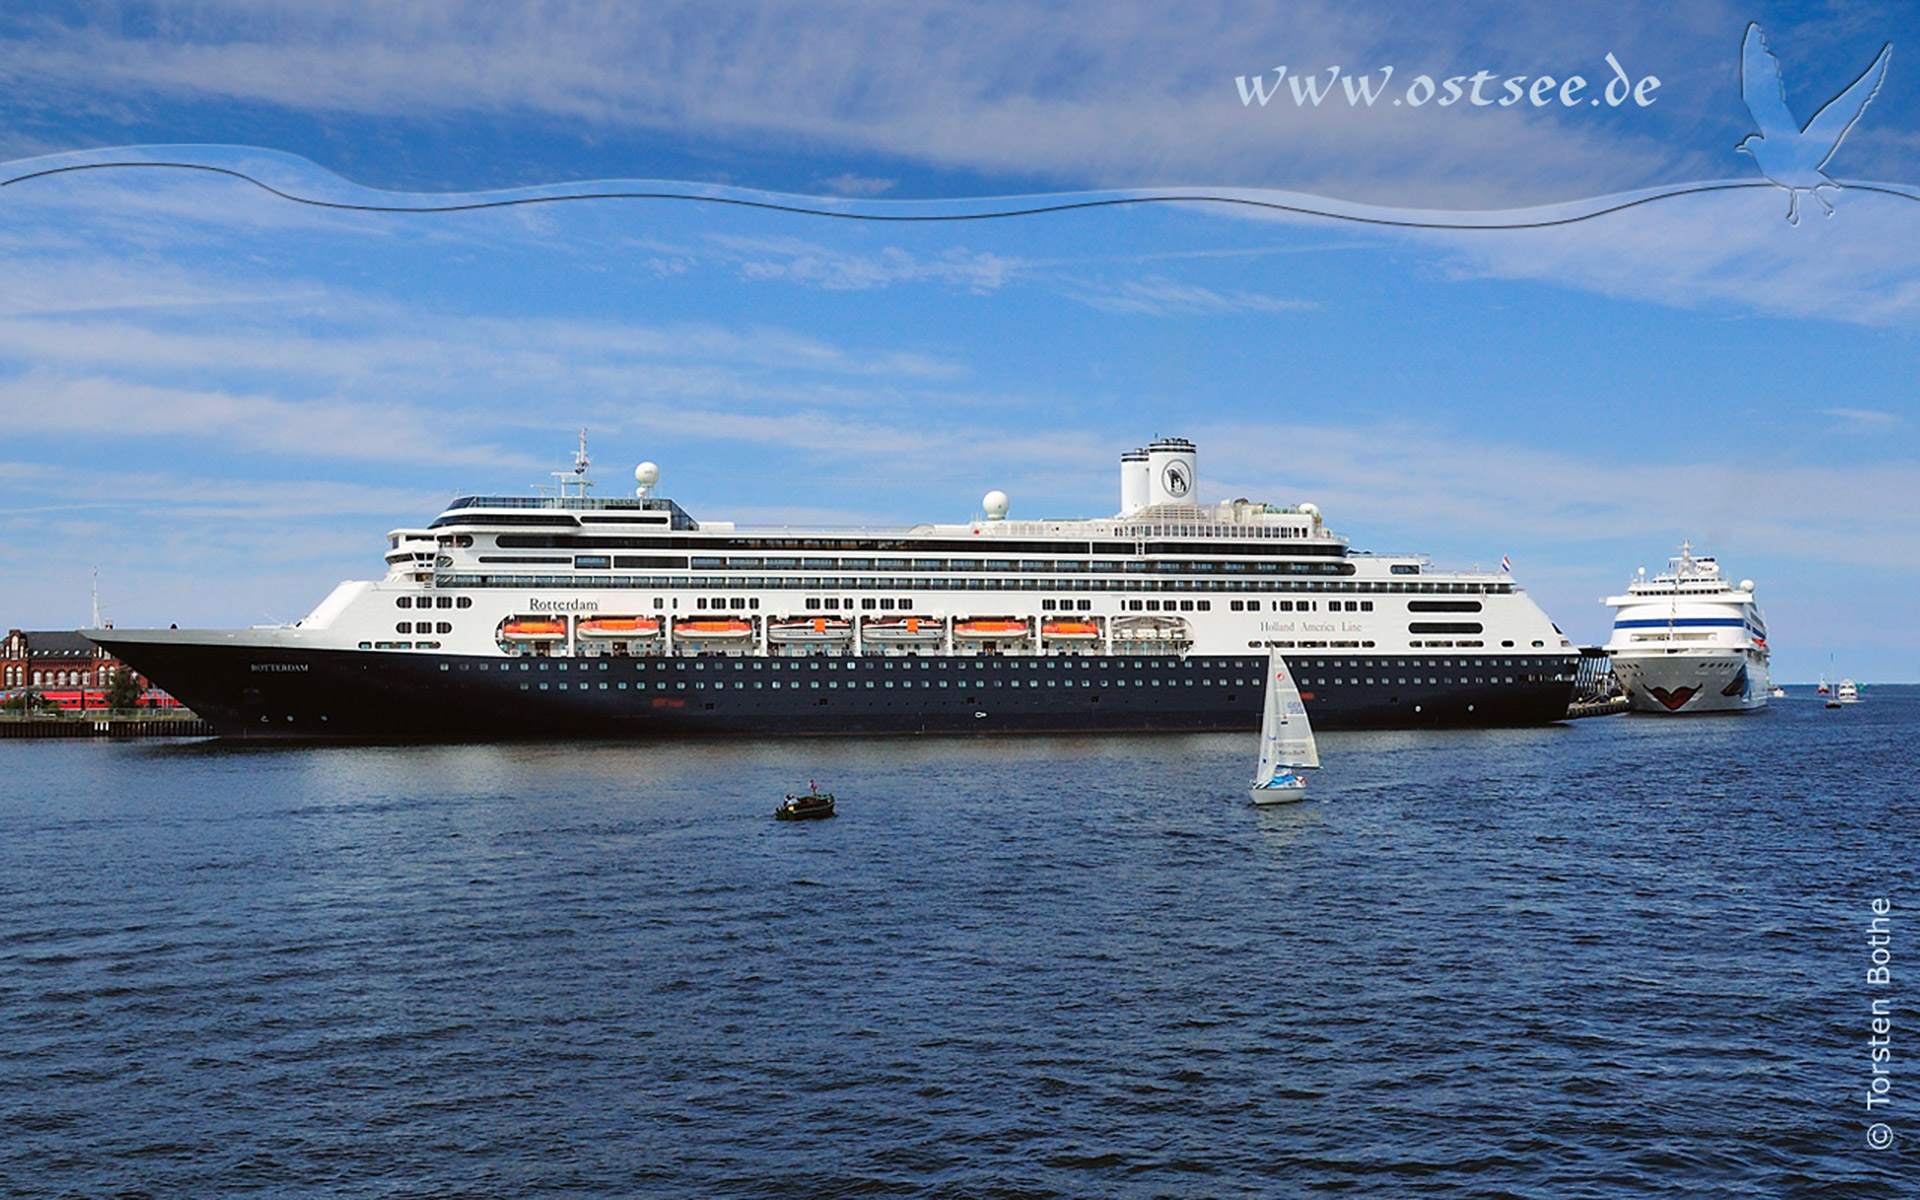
[1594, 679]
[575, 503]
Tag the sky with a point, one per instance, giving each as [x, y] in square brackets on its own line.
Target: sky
[223, 399]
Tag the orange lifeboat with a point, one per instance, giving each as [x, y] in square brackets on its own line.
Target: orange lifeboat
[711, 629]
[999, 628]
[619, 627]
[1072, 631]
[534, 629]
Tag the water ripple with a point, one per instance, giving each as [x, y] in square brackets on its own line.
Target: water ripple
[1620, 957]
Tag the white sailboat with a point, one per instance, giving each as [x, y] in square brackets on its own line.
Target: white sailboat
[1286, 740]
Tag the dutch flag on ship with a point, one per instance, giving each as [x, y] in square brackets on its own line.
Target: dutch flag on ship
[1506, 565]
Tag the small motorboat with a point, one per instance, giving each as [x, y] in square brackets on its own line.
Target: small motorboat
[813, 805]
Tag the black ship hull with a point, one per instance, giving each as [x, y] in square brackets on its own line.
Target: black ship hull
[253, 691]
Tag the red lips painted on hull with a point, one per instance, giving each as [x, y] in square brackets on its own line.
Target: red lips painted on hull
[1675, 698]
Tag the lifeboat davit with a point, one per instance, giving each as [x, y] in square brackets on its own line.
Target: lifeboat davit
[619, 627]
[810, 629]
[904, 631]
[1150, 629]
[534, 629]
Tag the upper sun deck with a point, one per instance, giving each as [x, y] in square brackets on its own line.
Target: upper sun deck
[1235, 520]
[1686, 577]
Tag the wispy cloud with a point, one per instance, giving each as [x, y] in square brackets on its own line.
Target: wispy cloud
[331, 427]
[1158, 296]
[799, 261]
[1430, 484]
[1729, 249]
[858, 185]
[1141, 95]
[1864, 418]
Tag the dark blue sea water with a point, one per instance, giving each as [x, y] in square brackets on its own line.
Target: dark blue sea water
[1621, 957]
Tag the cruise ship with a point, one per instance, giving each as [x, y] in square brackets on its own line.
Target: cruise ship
[567, 614]
[1687, 641]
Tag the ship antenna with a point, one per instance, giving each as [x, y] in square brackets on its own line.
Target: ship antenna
[96, 598]
[578, 476]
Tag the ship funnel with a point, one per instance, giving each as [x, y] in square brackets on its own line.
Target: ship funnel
[1172, 475]
[1133, 482]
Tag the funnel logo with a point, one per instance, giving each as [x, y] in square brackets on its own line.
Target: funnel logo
[1175, 479]
[1789, 154]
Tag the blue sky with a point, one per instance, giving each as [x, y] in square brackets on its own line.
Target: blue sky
[224, 400]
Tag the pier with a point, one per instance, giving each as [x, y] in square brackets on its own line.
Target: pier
[1596, 689]
[104, 727]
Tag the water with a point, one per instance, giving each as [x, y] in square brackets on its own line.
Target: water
[1619, 957]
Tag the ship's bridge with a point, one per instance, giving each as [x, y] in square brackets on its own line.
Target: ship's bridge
[567, 511]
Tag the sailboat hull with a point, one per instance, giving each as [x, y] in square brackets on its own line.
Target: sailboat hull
[1286, 794]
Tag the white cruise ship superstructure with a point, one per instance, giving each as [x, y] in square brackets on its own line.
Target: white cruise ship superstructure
[1687, 641]
[577, 615]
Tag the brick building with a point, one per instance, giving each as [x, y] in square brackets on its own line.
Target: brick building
[54, 660]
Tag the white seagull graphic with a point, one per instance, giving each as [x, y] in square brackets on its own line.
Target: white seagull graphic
[1788, 154]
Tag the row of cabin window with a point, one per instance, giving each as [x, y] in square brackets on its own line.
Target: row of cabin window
[741, 684]
[1319, 681]
[998, 666]
[1304, 605]
[1066, 605]
[793, 583]
[1167, 605]
[423, 627]
[817, 603]
[1001, 665]
[433, 602]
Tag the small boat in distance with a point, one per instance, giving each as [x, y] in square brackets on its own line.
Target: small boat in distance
[1777, 692]
[1286, 740]
[813, 805]
[1849, 692]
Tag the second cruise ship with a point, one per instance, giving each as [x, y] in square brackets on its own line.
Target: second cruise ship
[571, 614]
[1687, 641]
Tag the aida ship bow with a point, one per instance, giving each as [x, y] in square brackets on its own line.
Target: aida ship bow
[1687, 641]
[570, 614]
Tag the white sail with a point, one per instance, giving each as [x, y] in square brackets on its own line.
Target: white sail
[1286, 737]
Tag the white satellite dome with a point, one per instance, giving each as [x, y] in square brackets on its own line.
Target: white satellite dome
[646, 474]
[1746, 585]
[995, 503]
